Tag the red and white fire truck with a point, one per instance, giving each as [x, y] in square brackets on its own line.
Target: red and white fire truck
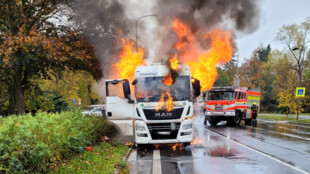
[230, 103]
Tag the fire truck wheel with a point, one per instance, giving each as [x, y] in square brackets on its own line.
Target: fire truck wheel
[247, 121]
[205, 121]
[213, 121]
[234, 121]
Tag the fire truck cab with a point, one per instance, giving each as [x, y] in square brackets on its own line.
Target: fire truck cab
[229, 103]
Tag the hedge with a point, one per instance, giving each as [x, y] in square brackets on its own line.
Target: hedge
[33, 144]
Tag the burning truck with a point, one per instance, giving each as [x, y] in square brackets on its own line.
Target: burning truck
[157, 107]
[160, 110]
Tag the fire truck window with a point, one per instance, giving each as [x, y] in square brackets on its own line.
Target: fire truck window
[243, 95]
[239, 95]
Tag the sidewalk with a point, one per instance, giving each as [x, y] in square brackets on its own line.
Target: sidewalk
[301, 116]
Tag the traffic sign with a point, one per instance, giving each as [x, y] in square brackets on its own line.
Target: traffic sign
[73, 101]
[300, 91]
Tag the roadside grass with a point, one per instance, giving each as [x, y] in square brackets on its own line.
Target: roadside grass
[283, 118]
[105, 158]
[35, 144]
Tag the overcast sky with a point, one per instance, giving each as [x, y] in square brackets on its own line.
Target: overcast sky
[274, 14]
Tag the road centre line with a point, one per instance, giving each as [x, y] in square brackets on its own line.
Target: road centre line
[156, 162]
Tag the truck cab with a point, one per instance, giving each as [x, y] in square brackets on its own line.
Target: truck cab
[149, 115]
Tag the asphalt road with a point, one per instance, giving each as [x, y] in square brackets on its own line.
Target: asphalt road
[271, 147]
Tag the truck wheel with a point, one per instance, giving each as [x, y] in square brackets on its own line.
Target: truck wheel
[213, 121]
[186, 144]
[142, 146]
[247, 121]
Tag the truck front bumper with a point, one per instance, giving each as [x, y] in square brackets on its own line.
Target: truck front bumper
[157, 133]
[220, 113]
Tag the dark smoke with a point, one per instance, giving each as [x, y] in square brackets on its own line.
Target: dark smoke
[103, 22]
[204, 15]
[244, 14]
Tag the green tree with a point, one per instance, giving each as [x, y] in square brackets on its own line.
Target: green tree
[31, 46]
[263, 53]
[295, 37]
[223, 78]
[251, 74]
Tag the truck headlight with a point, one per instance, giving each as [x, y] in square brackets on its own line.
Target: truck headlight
[207, 113]
[187, 126]
[140, 127]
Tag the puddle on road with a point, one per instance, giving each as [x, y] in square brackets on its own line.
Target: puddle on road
[221, 152]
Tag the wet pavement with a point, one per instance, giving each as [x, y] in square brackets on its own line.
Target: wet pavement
[271, 147]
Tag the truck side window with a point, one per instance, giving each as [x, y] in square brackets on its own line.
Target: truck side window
[116, 89]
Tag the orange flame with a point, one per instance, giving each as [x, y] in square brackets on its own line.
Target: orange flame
[182, 32]
[174, 62]
[130, 58]
[168, 80]
[203, 62]
[169, 102]
[197, 141]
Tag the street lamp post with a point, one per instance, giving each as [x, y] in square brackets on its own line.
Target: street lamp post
[300, 76]
[137, 21]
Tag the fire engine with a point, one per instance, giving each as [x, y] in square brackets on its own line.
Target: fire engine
[229, 103]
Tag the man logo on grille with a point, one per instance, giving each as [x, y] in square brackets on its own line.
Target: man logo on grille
[168, 114]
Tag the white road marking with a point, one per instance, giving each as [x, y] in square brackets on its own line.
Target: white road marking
[266, 155]
[156, 162]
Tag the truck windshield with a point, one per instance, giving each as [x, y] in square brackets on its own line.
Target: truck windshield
[149, 89]
[220, 95]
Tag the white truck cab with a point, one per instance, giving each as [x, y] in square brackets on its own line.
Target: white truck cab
[141, 116]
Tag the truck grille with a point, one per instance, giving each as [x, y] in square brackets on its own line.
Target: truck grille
[218, 107]
[156, 128]
[151, 114]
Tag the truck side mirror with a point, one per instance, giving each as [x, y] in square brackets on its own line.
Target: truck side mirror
[196, 86]
[126, 88]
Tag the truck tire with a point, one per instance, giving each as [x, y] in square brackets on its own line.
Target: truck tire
[247, 121]
[186, 144]
[213, 121]
[234, 121]
[142, 146]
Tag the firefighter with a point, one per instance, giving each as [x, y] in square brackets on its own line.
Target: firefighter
[254, 109]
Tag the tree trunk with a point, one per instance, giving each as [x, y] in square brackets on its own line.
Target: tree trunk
[12, 102]
[19, 91]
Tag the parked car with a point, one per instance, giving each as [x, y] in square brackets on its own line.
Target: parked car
[98, 111]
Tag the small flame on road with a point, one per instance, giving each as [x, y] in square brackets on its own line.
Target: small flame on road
[197, 141]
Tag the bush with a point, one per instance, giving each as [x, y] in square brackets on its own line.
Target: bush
[31, 144]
